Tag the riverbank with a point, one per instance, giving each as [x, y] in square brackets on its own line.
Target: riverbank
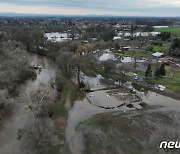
[63, 105]
[15, 70]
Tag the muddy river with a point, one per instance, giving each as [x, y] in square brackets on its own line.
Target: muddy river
[9, 144]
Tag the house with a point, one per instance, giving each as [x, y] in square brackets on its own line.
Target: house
[116, 38]
[160, 87]
[125, 48]
[157, 54]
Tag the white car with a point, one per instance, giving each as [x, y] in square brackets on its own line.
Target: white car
[136, 78]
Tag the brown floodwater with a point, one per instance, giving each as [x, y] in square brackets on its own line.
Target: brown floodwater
[9, 144]
[167, 103]
[94, 103]
[107, 101]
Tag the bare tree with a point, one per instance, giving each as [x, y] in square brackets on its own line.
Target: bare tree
[123, 68]
[5, 102]
[38, 133]
[64, 62]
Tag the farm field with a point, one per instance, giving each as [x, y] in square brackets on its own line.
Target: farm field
[174, 31]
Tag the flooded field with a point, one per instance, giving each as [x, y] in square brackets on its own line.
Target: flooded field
[106, 102]
[115, 130]
[110, 56]
[107, 56]
[112, 99]
[57, 37]
[165, 102]
[94, 83]
[114, 110]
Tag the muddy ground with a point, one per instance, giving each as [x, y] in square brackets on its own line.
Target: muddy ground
[132, 132]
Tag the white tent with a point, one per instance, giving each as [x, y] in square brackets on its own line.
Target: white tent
[157, 54]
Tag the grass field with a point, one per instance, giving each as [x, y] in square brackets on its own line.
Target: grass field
[174, 31]
[116, 133]
[164, 48]
[138, 53]
[172, 83]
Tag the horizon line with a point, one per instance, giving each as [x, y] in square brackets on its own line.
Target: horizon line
[14, 14]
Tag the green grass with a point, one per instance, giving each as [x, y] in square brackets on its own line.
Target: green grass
[172, 83]
[139, 53]
[69, 93]
[86, 69]
[141, 73]
[113, 74]
[96, 67]
[92, 121]
[156, 48]
[174, 31]
[139, 87]
[54, 149]
[164, 48]
[121, 131]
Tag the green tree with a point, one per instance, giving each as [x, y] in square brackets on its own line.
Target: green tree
[108, 66]
[157, 72]
[81, 51]
[148, 72]
[162, 69]
[108, 35]
[117, 47]
[175, 48]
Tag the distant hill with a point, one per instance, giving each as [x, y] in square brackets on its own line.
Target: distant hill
[10, 14]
